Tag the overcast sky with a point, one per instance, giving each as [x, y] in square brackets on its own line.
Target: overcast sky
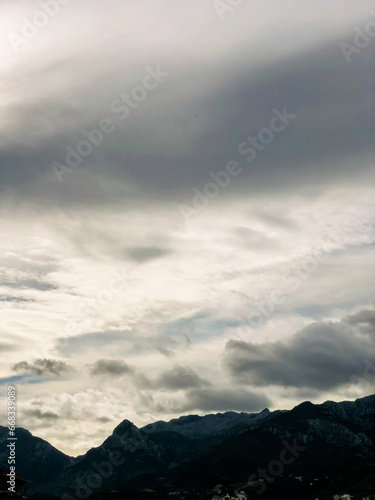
[187, 209]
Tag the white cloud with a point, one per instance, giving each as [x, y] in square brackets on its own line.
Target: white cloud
[103, 266]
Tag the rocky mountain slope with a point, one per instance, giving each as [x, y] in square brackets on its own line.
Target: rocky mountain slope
[209, 429]
[123, 455]
[36, 458]
[329, 439]
[195, 453]
[150, 450]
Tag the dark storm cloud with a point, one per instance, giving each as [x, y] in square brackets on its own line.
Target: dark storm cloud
[333, 100]
[109, 367]
[224, 400]
[42, 367]
[180, 377]
[323, 355]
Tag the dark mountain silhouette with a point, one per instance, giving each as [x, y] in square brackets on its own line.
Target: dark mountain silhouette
[37, 460]
[326, 444]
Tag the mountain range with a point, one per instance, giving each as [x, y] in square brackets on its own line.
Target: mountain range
[307, 452]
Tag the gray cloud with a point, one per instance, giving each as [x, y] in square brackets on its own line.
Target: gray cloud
[40, 415]
[103, 420]
[322, 356]
[143, 254]
[224, 400]
[148, 151]
[9, 298]
[42, 367]
[119, 208]
[164, 344]
[113, 368]
[180, 377]
[7, 347]
[80, 343]
[110, 367]
[364, 320]
[28, 283]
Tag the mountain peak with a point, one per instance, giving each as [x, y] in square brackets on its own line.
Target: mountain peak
[305, 408]
[339, 437]
[124, 426]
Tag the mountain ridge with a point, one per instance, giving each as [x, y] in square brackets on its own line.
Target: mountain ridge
[200, 451]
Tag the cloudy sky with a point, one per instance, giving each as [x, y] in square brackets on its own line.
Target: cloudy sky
[187, 209]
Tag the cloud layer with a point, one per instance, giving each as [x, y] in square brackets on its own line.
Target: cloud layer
[321, 356]
[206, 241]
